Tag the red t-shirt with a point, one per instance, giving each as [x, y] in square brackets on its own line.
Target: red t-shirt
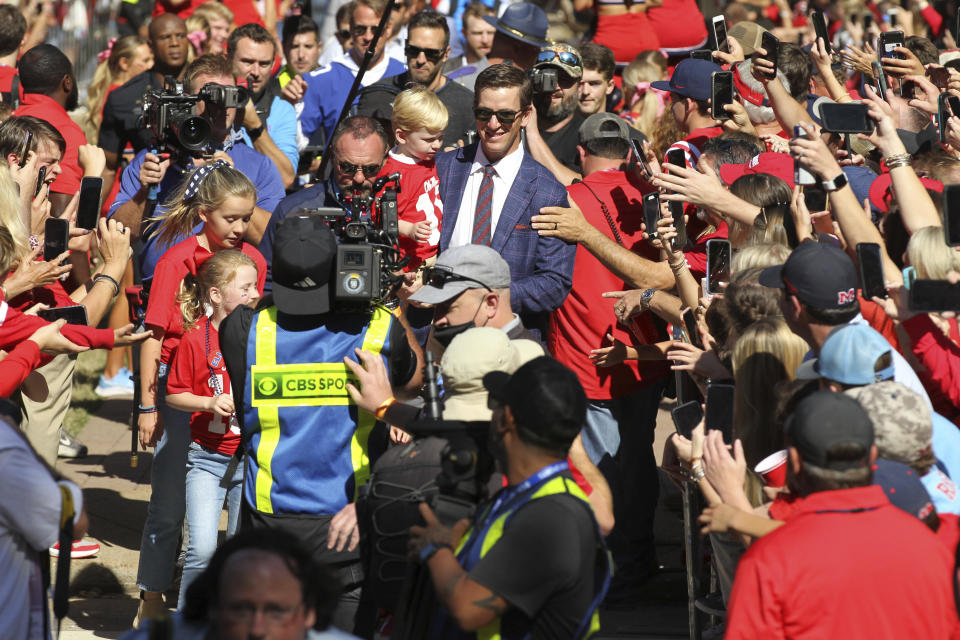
[678, 24]
[52, 295]
[15, 327]
[6, 77]
[419, 199]
[697, 255]
[162, 308]
[585, 317]
[46, 108]
[694, 142]
[244, 11]
[190, 372]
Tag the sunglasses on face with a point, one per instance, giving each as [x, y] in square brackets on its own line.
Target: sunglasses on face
[439, 276]
[412, 52]
[564, 56]
[369, 170]
[359, 29]
[504, 116]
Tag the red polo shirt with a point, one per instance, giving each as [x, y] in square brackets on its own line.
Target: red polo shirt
[847, 564]
[583, 320]
[46, 108]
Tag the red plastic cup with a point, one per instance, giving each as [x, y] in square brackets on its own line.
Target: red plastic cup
[773, 469]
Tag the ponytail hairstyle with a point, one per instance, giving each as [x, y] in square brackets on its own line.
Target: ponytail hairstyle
[203, 189]
[218, 271]
[106, 74]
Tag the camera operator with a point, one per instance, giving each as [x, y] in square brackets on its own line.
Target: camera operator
[121, 111]
[268, 123]
[554, 128]
[359, 149]
[533, 563]
[150, 169]
[307, 442]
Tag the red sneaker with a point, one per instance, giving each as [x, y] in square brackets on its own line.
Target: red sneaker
[79, 549]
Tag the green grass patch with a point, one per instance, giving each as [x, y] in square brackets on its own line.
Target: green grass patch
[85, 379]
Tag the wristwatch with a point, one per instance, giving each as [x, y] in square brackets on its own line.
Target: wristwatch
[646, 297]
[836, 184]
[432, 547]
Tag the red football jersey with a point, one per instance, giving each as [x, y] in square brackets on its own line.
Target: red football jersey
[194, 366]
[419, 199]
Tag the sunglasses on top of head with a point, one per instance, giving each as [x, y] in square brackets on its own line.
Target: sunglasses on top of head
[565, 57]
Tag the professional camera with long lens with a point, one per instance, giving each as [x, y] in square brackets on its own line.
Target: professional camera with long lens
[168, 114]
[368, 257]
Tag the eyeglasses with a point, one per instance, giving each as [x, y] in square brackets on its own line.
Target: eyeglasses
[412, 52]
[359, 29]
[245, 612]
[350, 169]
[343, 34]
[505, 116]
[565, 57]
[439, 276]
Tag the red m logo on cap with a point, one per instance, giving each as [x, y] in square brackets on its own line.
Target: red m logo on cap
[846, 297]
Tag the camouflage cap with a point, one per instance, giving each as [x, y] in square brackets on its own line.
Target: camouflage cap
[902, 422]
[563, 56]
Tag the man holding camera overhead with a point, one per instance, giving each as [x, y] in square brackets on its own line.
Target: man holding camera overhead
[165, 172]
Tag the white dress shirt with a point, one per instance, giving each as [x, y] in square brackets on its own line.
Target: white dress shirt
[505, 172]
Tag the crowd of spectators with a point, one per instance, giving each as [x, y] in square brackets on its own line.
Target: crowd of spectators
[588, 227]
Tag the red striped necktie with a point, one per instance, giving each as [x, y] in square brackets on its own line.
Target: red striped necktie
[484, 211]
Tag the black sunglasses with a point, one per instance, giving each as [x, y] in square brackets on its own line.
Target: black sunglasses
[565, 57]
[439, 276]
[369, 170]
[505, 116]
[360, 29]
[413, 52]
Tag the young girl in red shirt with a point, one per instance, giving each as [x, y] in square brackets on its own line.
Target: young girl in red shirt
[223, 199]
[199, 383]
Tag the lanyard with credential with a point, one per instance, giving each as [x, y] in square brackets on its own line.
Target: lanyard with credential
[504, 502]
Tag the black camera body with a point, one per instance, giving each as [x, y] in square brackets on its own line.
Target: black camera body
[368, 257]
[168, 114]
[544, 80]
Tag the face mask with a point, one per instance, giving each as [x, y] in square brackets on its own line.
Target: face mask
[445, 335]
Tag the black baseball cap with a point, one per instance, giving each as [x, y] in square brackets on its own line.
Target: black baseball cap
[825, 419]
[820, 275]
[546, 399]
[304, 250]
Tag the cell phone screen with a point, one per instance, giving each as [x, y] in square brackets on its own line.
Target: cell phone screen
[846, 118]
[951, 214]
[720, 34]
[690, 326]
[771, 44]
[718, 265]
[934, 295]
[815, 197]
[720, 409]
[55, 236]
[867, 21]
[686, 417]
[88, 208]
[676, 157]
[820, 27]
[939, 76]
[890, 40]
[641, 160]
[75, 314]
[651, 213]
[702, 54]
[871, 270]
[721, 93]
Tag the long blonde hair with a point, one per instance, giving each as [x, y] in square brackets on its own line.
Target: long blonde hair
[215, 186]
[930, 254]
[104, 77]
[218, 271]
[648, 66]
[10, 214]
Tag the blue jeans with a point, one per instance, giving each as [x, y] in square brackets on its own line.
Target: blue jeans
[618, 437]
[160, 543]
[211, 477]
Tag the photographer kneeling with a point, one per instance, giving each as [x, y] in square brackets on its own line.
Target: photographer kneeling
[533, 562]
